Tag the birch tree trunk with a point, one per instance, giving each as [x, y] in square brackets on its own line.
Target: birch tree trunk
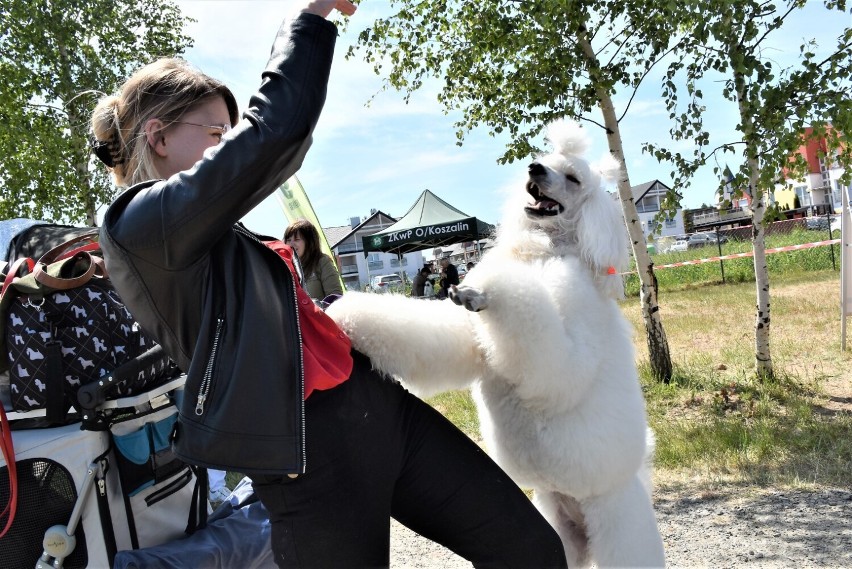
[763, 359]
[81, 167]
[80, 150]
[658, 345]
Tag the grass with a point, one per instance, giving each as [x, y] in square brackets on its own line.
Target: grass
[715, 423]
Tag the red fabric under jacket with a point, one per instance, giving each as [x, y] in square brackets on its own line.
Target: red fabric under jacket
[326, 356]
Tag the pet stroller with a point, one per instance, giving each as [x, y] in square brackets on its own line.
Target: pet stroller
[105, 481]
[92, 401]
[97, 483]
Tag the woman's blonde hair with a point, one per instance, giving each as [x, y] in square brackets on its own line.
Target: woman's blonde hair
[166, 90]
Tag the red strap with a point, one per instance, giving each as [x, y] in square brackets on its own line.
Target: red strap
[59, 252]
[55, 253]
[13, 271]
[94, 246]
[9, 456]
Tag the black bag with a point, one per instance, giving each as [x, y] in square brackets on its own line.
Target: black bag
[32, 238]
[65, 326]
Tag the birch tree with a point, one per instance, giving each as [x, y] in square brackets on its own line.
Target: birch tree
[727, 45]
[513, 66]
[57, 57]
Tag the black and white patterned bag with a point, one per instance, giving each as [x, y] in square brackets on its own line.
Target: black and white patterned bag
[65, 326]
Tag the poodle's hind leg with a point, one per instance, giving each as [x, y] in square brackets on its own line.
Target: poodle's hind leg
[564, 514]
[622, 528]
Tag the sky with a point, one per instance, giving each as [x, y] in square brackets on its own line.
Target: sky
[371, 150]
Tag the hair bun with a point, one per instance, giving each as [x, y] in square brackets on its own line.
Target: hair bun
[106, 141]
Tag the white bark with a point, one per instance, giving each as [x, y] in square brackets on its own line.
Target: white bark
[763, 359]
[658, 346]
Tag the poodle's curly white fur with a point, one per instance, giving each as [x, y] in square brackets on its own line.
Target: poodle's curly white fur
[548, 353]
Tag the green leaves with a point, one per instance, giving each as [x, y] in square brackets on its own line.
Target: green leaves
[57, 57]
[775, 104]
[512, 66]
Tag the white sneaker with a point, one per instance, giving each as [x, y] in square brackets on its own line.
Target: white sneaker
[219, 495]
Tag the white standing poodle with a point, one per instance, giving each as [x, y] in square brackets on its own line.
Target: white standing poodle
[548, 353]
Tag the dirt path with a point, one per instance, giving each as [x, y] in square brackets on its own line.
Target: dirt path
[766, 529]
[744, 526]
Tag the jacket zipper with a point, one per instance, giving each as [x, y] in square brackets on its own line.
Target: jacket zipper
[207, 380]
[302, 376]
[242, 230]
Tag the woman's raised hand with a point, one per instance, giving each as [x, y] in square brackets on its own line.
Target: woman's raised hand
[324, 7]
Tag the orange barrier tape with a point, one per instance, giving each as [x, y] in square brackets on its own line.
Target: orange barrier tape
[741, 255]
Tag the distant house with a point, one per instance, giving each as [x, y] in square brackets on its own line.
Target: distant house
[648, 197]
[739, 198]
[820, 190]
[355, 268]
[733, 209]
[463, 253]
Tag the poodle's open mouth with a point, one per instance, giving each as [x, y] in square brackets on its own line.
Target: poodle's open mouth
[543, 206]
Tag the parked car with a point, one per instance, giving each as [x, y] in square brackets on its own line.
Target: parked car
[701, 239]
[816, 223]
[384, 283]
[822, 222]
[679, 245]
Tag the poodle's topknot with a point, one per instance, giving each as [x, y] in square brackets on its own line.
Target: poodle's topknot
[567, 137]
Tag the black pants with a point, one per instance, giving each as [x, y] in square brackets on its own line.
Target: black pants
[376, 451]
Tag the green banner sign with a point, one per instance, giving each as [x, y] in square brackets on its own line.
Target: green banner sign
[439, 232]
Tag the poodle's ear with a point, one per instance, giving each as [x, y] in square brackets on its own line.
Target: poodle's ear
[608, 166]
[603, 241]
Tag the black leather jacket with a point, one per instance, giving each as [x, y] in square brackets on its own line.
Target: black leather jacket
[221, 303]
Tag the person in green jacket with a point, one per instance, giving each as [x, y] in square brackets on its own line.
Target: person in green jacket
[321, 276]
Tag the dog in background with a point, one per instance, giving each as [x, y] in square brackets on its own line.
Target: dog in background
[548, 354]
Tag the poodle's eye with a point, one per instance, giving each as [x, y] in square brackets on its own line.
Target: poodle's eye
[572, 178]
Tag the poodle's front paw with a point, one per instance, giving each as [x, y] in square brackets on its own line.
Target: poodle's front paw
[469, 297]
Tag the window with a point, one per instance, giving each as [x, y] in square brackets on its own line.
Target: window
[670, 223]
[648, 204]
[374, 261]
[804, 196]
[348, 248]
[837, 192]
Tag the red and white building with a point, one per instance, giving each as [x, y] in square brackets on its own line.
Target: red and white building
[821, 187]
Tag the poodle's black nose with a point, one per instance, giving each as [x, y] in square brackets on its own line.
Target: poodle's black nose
[536, 169]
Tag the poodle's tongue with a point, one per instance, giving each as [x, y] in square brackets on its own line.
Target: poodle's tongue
[546, 204]
[543, 207]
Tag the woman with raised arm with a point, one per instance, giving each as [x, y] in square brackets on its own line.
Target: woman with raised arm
[273, 389]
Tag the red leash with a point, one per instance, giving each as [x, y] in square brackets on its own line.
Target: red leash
[9, 456]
